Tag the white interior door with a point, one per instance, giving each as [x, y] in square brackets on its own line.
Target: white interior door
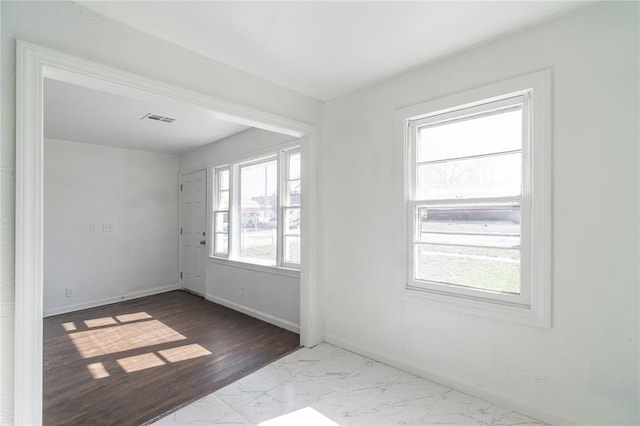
[193, 229]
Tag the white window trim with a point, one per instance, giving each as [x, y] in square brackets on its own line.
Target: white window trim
[287, 272]
[283, 204]
[279, 153]
[534, 307]
[216, 204]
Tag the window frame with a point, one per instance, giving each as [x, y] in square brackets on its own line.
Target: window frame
[237, 203]
[461, 114]
[285, 174]
[234, 220]
[216, 210]
[533, 304]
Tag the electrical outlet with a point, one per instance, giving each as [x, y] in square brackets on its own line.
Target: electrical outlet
[107, 227]
[92, 227]
[70, 292]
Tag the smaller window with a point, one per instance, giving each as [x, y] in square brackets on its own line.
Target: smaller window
[291, 210]
[221, 212]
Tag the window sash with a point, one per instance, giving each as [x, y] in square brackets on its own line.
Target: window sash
[286, 205]
[237, 230]
[218, 251]
[477, 110]
[415, 206]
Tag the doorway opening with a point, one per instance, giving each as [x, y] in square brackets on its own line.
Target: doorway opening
[34, 65]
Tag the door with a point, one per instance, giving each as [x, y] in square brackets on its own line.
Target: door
[193, 231]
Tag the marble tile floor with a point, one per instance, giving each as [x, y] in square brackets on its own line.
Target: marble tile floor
[327, 385]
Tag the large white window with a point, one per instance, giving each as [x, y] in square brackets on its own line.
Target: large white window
[256, 214]
[478, 199]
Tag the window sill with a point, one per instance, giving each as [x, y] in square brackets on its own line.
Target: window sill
[513, 312]
[276, 270]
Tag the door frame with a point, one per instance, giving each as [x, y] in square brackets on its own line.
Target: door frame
[33, 64]
[206, 224]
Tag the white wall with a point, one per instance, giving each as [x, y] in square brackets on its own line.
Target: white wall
[585, 368]
[134, 191]
[70, 28]
[269, 295]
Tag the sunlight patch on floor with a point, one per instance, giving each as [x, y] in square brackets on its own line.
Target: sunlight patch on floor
[69, 326]
[109, 340]
[304, 416]
[105, 339]
[100, 322]
[140, 362]
[98, 371]
[182, 353]
[133, 317]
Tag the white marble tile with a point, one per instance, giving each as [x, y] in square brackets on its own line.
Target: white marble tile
[327, 385]
[283, 399]
[304, 416]
[457, 419]
[504, 417]
[338, 363]
[364, 419]
[410, 390]
[454, 402]
[316, 353]
[370, 377]
[245, 390]
[209, 410]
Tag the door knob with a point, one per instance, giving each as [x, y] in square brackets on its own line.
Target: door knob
[203, 242]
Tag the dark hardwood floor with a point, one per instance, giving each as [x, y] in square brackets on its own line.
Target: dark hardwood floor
[131, 362]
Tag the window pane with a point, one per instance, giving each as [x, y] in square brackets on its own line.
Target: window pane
[487, 269]
[494, 176]
[223, 180]
[258, 206]
[294, 166]
[222, 243]
[486, 134]
[221, 223]
[223, 200]
[258, 245]
[293, 193]
[258, 193]
[292, 221]
[292, 249]
[486, 225]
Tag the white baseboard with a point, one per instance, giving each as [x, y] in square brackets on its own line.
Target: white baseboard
[287, 325]
[109, 300]
[457, 384]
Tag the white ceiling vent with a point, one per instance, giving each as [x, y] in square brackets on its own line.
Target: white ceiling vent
[156, 117]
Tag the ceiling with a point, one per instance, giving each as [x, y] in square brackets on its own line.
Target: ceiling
[81, 114]
[325, 49]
